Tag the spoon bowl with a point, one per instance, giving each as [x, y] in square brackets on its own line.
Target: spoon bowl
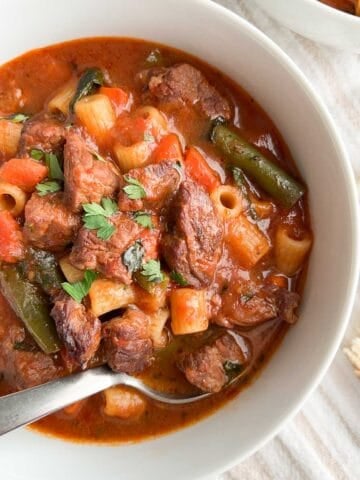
[27, 406]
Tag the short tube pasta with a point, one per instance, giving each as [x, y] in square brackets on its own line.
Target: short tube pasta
[155, 120]
[96, 113]
[61, 101]
[12, 198]
[9, 137]
[71, 273]
[107, 295]
[133, 156]
[289, 252]
[157, 324]
[227, 201]
[188, 311]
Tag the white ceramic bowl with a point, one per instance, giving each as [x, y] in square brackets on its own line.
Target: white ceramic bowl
[243, 425]
[317, 21]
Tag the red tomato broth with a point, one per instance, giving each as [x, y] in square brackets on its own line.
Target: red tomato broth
[38, 75]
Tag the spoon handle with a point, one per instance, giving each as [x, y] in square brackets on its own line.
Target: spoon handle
[21, 408]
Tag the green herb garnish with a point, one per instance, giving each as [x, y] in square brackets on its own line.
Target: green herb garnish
[134, 190]
[55, 171]
[79, 290]
[96, 216]
[44, 188]
[36, 154]
[143, 219]
[178, 278]
[132, 257]
[152, 271]
[16, 118]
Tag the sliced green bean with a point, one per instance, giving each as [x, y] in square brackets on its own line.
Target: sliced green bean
[28, 302]
[270, 177]
[44, 269]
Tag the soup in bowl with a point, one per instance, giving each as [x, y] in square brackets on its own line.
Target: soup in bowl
[173, 153]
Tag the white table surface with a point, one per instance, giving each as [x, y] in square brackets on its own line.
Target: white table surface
[323, 441]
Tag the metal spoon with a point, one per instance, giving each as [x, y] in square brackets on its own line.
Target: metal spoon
[27, 406]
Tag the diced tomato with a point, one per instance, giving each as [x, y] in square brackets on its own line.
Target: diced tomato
[199, 170]
[11, 239]
[25, 173]
[169, 148]
[118, 97]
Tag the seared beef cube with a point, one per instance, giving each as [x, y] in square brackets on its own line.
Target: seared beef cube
[127, 343]
[286, 303]
[160, 182]
[192, 247]
[105, 256]
[47, 135]
[49, 224]
[78, 328]
[87, 179]
[184, 83]
[249, 305]
[207, 367]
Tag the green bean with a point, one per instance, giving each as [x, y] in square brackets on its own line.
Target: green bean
[270, 177]
[42, 267]
[30, 305]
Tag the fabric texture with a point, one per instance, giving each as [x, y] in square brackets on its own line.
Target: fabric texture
[323, 441]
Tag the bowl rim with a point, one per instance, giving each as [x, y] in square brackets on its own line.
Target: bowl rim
[353, 278]
[288, 64]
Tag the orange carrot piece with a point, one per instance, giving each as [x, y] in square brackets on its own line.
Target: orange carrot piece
[25, 173]
[118, 97]
[199, 170]
[11, 239]
[169, 148]
[247, 242]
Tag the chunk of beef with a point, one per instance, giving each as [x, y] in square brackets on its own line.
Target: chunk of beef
[249, 305]
[78, 328]
[192, 246]
[49, 224]
[127, 343]
[184, 83]
[105, 256]
[44, 134]
[160, 182]
[208, 367]
[87, 179]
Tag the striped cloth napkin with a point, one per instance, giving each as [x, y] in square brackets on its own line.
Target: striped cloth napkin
[323, 441]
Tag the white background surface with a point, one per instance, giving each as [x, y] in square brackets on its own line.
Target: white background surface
[323, 441]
